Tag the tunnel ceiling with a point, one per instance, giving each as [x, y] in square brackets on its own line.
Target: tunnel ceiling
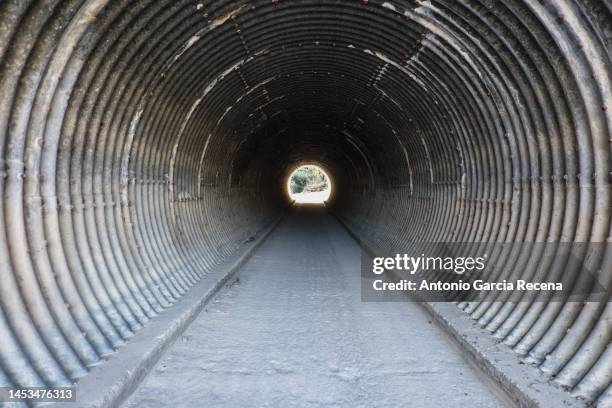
[143, 142]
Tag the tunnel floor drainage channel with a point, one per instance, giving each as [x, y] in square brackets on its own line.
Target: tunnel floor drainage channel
[290, 329]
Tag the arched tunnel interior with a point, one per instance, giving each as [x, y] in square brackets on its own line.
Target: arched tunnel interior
[143, 142]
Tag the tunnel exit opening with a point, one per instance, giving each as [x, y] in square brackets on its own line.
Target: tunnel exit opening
[309, 184]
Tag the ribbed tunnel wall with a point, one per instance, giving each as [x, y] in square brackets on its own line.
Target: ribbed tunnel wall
[143, 142]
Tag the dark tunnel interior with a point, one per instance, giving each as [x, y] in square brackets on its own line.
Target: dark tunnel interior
[143, 142]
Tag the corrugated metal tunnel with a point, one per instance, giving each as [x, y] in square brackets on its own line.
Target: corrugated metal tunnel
[142, 142]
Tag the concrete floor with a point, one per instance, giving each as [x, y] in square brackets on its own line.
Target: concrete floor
[291, 331]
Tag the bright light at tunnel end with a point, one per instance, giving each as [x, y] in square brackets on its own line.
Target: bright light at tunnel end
[309, 184]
